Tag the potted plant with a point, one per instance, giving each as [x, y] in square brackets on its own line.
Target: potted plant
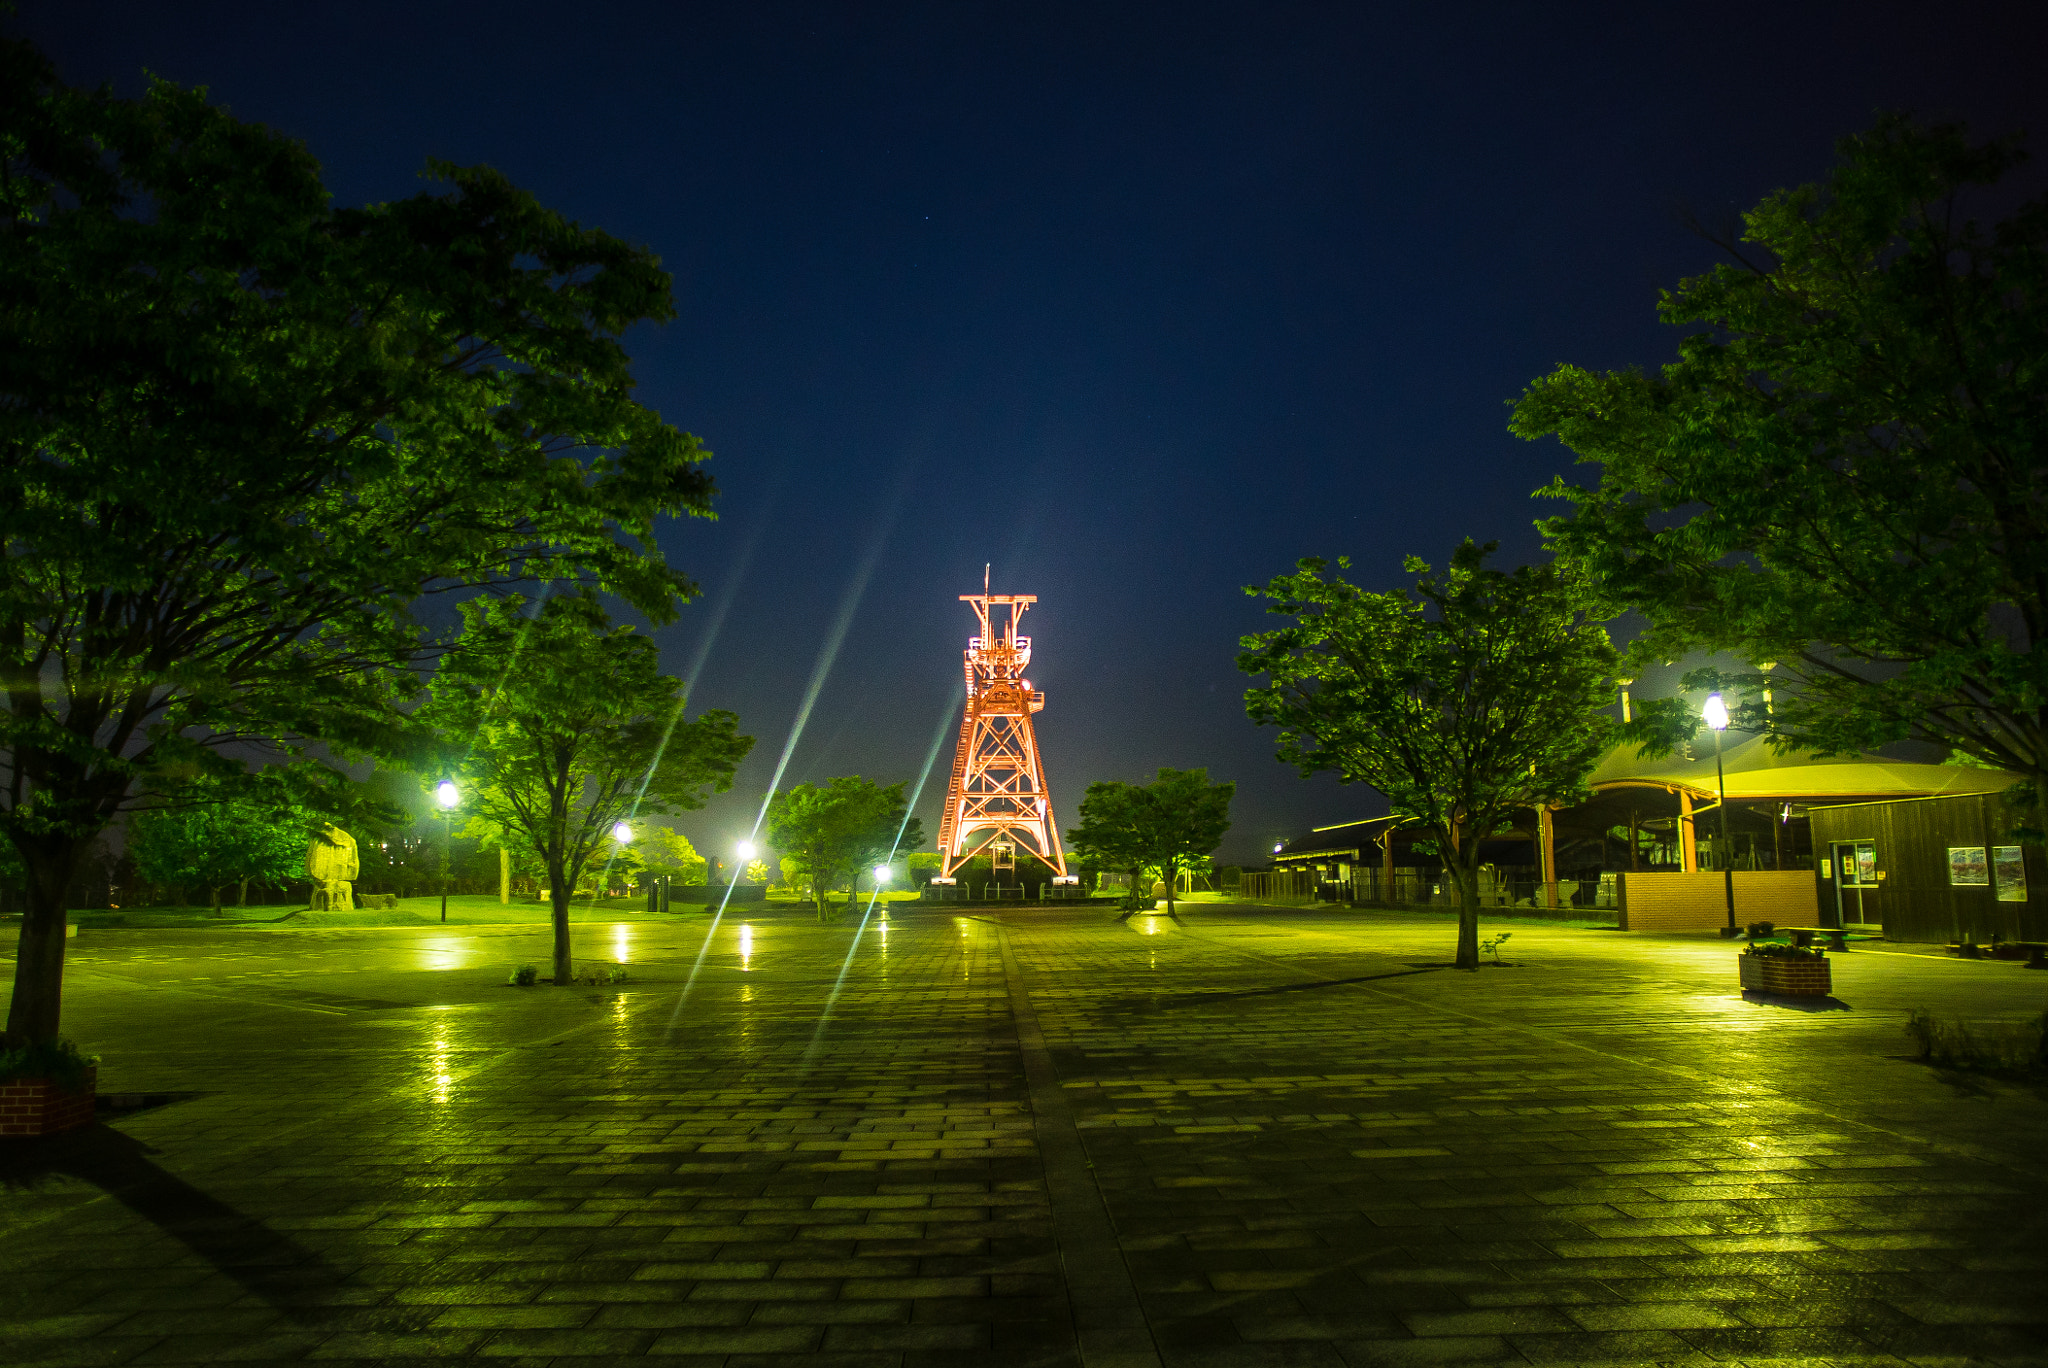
[1785, 970]
[45, 1087]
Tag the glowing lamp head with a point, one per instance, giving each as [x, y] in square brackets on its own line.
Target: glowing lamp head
[623, 834]
[446, 794]
[1715, 712]
[881, 873]
[746, 850]
[1279, 846]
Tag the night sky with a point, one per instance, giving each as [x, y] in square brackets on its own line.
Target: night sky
[1136, 303]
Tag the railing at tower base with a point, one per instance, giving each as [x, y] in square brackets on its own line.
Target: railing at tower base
[936, 892]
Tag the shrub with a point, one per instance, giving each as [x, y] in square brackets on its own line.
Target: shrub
[1956, 1044]
[59, 1060]
[1773, 950]
[525, 976]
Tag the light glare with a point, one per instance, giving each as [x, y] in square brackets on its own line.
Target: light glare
[1715, 712]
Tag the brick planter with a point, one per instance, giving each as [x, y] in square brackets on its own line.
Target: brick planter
[1785, 977]
[36, 1106]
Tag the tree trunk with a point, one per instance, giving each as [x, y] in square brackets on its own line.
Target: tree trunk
[558, 913]
[1172, 878]
[1467, 878]
[243, 899]
[36, 1012]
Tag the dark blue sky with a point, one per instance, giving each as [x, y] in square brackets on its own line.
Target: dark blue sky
[1138, 302]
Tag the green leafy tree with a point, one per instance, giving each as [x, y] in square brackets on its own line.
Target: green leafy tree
[243, 430]
[1172, 824]
[1112, 834]
[887, 832]
[571, 727]
[217, 845]
[669, 854]
[1844, 474]
[1464, 700]
[828, 835]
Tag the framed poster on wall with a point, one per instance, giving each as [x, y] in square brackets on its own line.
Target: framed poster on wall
[1967, 867]
[2009, 864]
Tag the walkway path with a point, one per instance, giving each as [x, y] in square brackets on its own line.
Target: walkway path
[1254, 1137]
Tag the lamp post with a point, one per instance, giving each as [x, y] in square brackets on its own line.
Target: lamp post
[622, 836]
[447, 795]
[1716, 715]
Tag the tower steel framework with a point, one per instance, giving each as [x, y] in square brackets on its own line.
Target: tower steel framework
[998, 800]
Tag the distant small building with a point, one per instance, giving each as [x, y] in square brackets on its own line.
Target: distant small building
[1940, 869]
[1660, 816]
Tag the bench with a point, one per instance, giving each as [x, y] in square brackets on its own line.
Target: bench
[2035, 953]
[1802, 936]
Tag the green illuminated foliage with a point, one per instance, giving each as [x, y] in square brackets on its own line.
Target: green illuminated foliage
[835, 833]
[242, 431]
[564, 725]
[212, 845]
[1845, 472]
[1171, 824]
[1465, 699]
[665, 852]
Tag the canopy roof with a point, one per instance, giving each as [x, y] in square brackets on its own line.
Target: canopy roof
[1755, 772]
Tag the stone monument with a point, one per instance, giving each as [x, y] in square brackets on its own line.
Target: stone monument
[331, 864]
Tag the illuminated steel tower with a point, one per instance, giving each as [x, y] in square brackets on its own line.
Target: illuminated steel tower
[997, 800]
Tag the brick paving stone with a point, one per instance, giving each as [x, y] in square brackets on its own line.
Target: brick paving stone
[1303, 1141]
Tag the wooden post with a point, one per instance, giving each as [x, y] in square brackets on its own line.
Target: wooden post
[1387, 865]
[1546, 827]
[504, 876]
[1688, 847]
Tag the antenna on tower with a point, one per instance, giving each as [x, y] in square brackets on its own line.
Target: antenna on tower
[984, 577]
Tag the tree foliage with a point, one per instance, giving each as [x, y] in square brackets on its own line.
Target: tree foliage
[242, 431]
[565, 725]
[830, 835]
[1464, 699]
[1172, 824]
[667, 853]
[1845, 472]
[213, 845]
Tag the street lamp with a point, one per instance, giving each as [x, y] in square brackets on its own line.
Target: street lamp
[881, 873]
[622, 833]
[447, 795]
[1715, 714]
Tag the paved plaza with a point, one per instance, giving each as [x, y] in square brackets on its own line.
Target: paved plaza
[1247, 1137]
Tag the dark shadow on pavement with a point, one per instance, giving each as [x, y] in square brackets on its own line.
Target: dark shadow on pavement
[1796, 1004]
[273, 1266]
[1196, 999]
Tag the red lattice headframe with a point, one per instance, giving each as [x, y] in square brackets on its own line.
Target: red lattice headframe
[998, 791]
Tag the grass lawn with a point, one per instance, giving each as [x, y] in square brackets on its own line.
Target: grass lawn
[464, 909]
